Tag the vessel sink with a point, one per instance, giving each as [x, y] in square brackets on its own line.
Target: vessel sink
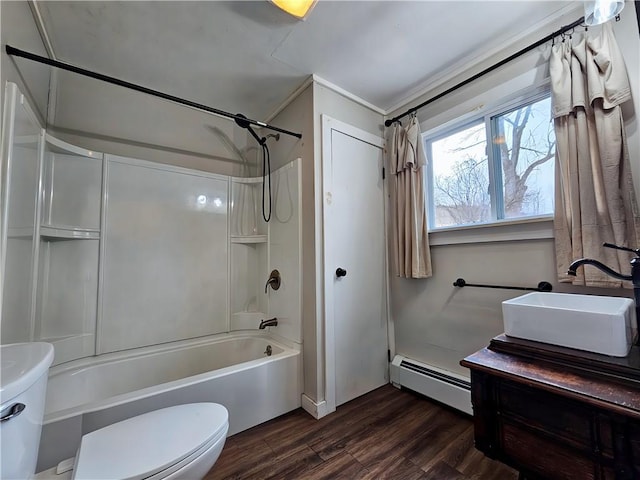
[599, 324]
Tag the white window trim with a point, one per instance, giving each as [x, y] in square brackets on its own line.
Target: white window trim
[490, 109]
[524, 228]
[529, 228]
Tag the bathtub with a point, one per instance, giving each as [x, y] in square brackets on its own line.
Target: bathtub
[233, 370]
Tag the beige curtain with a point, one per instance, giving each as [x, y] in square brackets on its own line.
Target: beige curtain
[410, 240]
[595, 200]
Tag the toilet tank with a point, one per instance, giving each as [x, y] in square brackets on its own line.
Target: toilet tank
[24, 369]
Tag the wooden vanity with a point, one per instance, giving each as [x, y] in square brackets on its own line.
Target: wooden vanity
[550, 418]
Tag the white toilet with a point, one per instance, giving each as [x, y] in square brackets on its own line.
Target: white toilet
[177, 442]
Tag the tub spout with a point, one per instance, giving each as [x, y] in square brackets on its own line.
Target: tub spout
[272, 322]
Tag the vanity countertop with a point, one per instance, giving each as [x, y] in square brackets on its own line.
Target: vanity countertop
[602, 392]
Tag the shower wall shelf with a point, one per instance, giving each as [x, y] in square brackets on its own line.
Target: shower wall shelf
[249, 254]
[71, 197]
[54, 232]
[249, 238]
[67, 256]
[247, 180]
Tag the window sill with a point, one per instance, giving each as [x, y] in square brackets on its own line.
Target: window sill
[504, 231]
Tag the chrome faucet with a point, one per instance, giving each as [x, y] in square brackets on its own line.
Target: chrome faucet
[272, 322]
[274, 281]
[634, 277]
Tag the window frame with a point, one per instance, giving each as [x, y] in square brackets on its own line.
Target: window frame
[486, 116]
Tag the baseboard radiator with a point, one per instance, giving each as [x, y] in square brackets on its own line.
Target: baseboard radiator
[446, 387]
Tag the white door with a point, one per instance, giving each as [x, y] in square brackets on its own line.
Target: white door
[354, 241]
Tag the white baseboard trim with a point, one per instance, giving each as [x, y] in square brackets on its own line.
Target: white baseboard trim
[316, 410]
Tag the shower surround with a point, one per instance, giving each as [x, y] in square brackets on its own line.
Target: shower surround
[110, 257]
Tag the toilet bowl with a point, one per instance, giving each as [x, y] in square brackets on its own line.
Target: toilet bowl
[183, 441]
[23, 388]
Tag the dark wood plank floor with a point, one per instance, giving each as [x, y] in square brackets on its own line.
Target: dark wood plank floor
[386, 434]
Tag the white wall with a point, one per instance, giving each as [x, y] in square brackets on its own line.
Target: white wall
[298, 116]
[303, 114]
[439, 324]
[19, 30]
[326, 101]
[112, 119]
[627, 34]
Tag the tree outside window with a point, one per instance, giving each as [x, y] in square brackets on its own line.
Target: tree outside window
[472, 182]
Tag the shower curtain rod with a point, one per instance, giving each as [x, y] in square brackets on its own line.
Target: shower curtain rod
[562, 30]
[139, 88]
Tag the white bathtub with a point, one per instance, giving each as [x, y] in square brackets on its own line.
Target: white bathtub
[232, 370]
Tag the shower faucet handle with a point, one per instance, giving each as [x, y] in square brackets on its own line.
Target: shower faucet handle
[274, 281]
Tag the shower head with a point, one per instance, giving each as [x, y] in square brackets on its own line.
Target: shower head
[243, 122]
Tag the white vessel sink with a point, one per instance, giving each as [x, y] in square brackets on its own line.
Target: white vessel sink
[593, 323]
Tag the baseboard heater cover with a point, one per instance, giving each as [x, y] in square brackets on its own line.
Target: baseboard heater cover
[441, 385]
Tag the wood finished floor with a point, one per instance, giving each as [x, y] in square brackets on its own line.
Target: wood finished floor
[386, 434]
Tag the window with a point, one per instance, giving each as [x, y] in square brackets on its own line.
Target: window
[492, 168]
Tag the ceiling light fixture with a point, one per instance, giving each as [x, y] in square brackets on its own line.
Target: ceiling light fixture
[600, 11]
[297, 8]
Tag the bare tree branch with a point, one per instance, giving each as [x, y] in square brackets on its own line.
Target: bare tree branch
[466, 147]
[524, 137]
[517, 134]
[534, 165]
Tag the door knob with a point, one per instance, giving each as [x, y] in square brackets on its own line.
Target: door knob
[340, 272]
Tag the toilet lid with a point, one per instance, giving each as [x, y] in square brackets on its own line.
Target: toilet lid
[142, 446]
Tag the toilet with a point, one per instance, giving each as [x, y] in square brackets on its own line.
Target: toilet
[179, 442]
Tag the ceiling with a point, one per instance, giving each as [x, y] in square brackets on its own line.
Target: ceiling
[248, 56]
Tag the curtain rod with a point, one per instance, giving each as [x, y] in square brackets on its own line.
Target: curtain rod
[139, 88]
[562, 30]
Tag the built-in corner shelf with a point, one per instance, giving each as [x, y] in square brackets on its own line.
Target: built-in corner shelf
[63, 232]
[247, 180]
[248, 239]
